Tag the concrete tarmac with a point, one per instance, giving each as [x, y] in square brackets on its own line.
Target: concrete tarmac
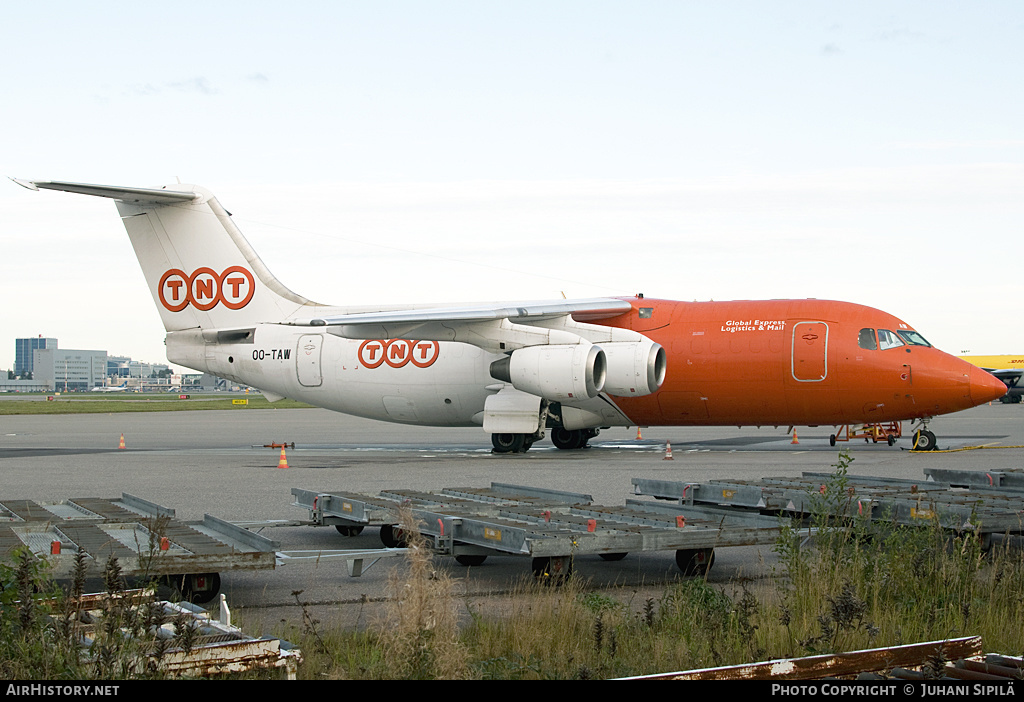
[213, 462]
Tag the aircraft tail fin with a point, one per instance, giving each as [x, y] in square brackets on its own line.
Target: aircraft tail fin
[201, 271]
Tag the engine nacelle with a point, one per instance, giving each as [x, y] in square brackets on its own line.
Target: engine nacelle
[556, 372]
[635, 368]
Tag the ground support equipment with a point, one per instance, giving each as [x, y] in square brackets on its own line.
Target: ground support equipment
[888, 432]
[551, 527]
[145, 538]
[958, 501]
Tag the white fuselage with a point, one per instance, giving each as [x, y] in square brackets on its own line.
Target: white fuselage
[447, 384]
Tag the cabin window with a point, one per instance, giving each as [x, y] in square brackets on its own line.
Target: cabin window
[866, 340]
[888, 339]
[913, 338]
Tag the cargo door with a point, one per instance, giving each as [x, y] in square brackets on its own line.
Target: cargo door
[810, 352]
[307, 360]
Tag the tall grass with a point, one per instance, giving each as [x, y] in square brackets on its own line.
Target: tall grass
[858, 584]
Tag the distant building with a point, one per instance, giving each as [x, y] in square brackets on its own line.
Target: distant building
[117, 367]
[23, 350]
[70, 369]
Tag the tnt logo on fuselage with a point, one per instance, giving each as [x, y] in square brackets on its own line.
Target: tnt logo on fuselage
[204, 289]
[398, 353]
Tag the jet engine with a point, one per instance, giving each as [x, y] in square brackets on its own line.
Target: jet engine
[635, 368]
[556, 372]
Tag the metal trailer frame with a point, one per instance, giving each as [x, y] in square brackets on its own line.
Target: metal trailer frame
[968, 501]
[145, 537]
[549, 526]
[888, 432]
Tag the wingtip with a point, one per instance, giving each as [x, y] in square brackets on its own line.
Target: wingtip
[25, 183]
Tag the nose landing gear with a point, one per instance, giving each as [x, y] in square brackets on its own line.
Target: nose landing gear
[924, 440]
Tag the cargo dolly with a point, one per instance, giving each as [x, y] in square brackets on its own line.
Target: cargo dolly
[990, 505]
[146, 539]
[551, 527]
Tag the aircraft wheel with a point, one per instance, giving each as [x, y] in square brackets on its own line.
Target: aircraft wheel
[695, 561]
[568, 439]
[348, 530]
[470, 560]
[832, 440]
[924, 441]
[891, 439]
[613, 556]
[508, 443]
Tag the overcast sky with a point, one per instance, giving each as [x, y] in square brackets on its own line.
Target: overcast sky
[467, 151]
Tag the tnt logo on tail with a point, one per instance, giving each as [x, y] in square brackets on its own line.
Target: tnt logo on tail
[204, 289]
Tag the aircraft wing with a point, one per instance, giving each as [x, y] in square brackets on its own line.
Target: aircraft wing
[518, 311]
[496, 327]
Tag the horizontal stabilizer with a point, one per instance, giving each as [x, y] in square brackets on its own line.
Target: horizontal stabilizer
[159, 196]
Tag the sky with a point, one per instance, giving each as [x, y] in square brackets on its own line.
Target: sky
[455, 152]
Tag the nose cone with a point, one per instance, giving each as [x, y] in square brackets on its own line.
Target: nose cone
[985, 387]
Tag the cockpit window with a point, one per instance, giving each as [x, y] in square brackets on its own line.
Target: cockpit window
[866, 339]
[888, 339]
[913, 338]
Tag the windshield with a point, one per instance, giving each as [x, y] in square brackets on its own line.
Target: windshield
[888, 339]
[913, 338]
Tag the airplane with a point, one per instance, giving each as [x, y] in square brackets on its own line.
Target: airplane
[111, 388]
[1009, 369]
[519, 369]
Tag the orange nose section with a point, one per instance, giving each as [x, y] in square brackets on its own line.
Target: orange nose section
[985, 387]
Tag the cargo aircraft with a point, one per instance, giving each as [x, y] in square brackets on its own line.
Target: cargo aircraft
[520, 369]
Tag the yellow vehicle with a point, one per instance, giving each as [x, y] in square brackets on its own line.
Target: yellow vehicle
[1009, 369]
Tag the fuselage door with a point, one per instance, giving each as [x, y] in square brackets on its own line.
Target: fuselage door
[307, 360]
[810, 352]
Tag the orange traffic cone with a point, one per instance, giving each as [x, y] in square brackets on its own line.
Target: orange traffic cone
[283, 463]
[121, 444]
[668, 451]
[795, 440]
[638, 436]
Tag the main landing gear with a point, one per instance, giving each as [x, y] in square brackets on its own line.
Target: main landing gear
[562, 438]
[568, 439]
[512, 443]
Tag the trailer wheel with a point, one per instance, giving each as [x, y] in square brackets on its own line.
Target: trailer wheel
[695, 561]
[468, 560]
[348, 530]
[553, 570]
[613, 556]
[198, 588]
[392, 537]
